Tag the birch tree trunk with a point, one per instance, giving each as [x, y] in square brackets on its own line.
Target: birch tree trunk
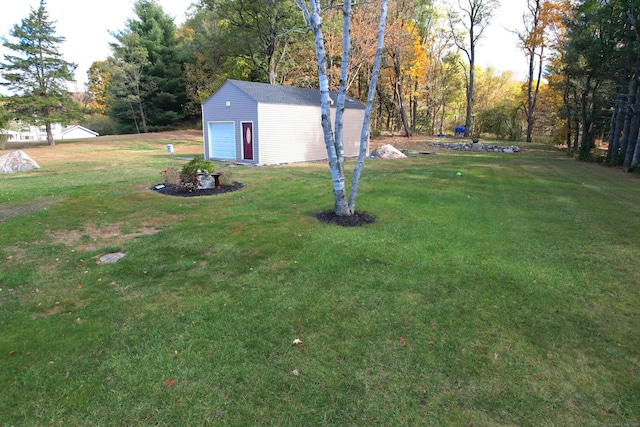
[334, 141]
[366, 125]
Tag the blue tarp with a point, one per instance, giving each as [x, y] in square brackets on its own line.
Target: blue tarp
[460, 129]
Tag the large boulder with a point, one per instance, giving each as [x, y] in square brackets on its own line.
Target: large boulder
[17, 161]
[387, 151]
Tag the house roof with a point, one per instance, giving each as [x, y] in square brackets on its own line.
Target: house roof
[277, 94]
[78, 127]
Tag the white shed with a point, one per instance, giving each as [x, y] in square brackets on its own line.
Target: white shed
[265, 124]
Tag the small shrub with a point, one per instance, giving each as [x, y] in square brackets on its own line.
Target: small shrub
[189, 181]
[198, 163]
[171, 177]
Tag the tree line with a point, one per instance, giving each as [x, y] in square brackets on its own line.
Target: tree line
[581, 86]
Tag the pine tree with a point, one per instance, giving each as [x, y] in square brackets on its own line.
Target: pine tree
[37, 75]
[156, 64]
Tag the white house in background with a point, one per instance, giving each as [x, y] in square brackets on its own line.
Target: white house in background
[259, 123]
[34, 133]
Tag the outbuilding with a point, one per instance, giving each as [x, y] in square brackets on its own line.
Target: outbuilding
[263, 124]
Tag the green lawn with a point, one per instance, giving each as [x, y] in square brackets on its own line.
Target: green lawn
[505, 296]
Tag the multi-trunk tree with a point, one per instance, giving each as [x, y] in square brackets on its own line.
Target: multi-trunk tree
[344, 204]
[37, 74]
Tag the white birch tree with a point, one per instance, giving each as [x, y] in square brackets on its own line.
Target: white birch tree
[344, 206]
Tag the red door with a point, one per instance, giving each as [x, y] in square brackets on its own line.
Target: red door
[247, 140]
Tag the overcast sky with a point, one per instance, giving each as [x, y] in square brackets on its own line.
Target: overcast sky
[86, 24]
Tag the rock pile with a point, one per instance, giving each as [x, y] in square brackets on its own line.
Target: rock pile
[17, 161]
[468, 146]
[387, 151]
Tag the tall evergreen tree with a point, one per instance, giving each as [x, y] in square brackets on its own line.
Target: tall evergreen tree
[37, 74]
[164, 106]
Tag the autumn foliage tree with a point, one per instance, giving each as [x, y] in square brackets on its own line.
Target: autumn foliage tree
[541, 23]
[468, 24]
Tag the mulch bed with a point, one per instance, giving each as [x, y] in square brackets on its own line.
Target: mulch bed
[171, 190]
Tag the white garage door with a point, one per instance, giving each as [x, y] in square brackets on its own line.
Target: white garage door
[222, 140]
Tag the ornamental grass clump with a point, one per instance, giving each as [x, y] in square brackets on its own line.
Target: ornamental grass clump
[171, 177]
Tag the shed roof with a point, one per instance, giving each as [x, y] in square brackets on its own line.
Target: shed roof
[277, 94]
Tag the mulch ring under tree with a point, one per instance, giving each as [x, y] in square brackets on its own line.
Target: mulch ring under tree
[179, 191]
[357, 219]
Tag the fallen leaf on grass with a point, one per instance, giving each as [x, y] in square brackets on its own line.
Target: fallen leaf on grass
[12, 352]
[495, 356]
[402, 340]
[169, 382]
[431, 342]
[297, 341]
[295, 372]
[79, 286]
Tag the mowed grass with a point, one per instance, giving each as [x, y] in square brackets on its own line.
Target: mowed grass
[505, 296]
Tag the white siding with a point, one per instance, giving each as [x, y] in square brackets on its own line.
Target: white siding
[352, 130]
[290, 133]
[293, 133]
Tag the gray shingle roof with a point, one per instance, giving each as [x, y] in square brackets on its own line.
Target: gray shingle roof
[276, 94]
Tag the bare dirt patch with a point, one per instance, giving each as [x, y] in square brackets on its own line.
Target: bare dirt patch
[91, 237]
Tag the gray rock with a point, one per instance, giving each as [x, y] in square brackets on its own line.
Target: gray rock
[206, 180]
[17, 161]
[111, 258]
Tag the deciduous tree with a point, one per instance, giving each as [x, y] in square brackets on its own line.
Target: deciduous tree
[473, 17]
[127, 90]
[541, 21]
[259, 31]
